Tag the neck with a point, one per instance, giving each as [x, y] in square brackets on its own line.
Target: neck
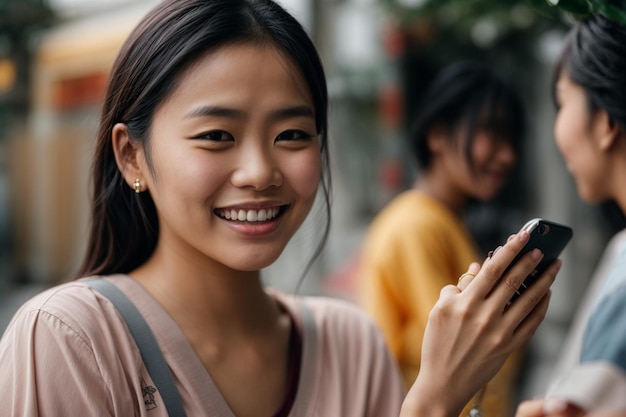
[616, 164]
[213, 299]
[619, 194]
[439, 189]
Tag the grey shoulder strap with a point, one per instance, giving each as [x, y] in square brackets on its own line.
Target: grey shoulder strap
[144, 338]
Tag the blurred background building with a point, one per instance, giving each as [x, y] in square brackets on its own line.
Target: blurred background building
[55, 56]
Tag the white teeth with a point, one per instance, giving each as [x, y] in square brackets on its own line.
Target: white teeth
[249, 215]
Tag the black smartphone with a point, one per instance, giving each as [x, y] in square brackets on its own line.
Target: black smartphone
[549, 237]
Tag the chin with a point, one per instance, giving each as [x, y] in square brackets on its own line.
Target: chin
[254, 262]
[487, 196]
[591, 197]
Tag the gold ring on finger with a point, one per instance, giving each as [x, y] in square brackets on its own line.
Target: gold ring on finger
[465, 275]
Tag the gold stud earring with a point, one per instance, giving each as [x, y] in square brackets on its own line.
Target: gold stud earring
[137, 186]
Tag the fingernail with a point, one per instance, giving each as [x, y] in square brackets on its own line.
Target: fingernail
[536, 254]
[490, 254]
[523, 235]
[558, 263]
[554, 405]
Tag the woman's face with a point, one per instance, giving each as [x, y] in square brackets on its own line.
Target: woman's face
[493, 159]
[235, 157]
[575, 138]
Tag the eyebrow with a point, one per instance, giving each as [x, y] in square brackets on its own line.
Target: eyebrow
[295, 111]
[218, 111]
[205, 111]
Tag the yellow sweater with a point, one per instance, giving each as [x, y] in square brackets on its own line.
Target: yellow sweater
[413, 248]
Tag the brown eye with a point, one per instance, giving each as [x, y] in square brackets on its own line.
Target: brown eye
[294, 135]
[216, 136]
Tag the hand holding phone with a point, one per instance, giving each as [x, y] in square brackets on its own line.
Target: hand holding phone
[550, 238]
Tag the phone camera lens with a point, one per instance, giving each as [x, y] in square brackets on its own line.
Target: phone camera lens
[544, 229]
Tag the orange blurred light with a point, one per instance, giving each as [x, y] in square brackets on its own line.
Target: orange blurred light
[7, 75]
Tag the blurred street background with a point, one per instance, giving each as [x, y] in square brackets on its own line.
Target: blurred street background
[379, 54]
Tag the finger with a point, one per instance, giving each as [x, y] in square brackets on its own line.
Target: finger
[523, 306]
[493, 268]
[468, 277]
[529, 324]
[492, 252]
[474, 268]
[556, 407]
[514, 277]
[532, 408]
[449, 291]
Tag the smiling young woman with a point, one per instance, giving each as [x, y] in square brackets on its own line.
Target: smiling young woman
[213, 143]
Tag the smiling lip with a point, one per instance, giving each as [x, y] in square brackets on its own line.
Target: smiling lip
[498, 176]
[252, 221]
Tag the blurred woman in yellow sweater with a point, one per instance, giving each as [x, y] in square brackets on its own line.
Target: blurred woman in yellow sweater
[465, 141]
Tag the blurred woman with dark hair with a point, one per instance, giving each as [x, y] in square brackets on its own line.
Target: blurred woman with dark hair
[466, 139]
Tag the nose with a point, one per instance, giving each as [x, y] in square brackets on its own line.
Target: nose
[506, 154]
[257, 168]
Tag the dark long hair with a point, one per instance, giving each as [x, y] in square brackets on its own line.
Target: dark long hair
[594, 57]
[124, 225]
[467, 94]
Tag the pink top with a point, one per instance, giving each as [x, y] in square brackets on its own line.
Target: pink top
[67, 352]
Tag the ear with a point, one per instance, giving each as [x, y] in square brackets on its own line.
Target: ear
[605, 131]
[437, 138]
[128, 155]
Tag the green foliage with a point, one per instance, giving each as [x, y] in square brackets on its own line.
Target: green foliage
[467, 10]
[505, 34]
[472, 9]
[578, 9]
[461, 22]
